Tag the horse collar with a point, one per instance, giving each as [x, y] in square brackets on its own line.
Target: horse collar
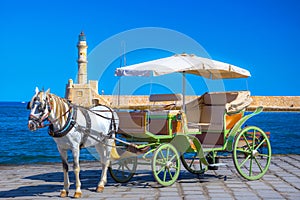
[71, 121]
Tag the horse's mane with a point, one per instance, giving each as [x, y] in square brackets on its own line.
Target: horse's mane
[59, 106]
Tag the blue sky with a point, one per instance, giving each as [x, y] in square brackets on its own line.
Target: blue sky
[38, 38]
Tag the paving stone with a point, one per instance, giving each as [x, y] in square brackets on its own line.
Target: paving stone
[44, 181]
[193, 192]
[194, 197]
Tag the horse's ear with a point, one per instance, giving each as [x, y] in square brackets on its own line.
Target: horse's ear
[36, 90]
[45, 94]
[48, 91]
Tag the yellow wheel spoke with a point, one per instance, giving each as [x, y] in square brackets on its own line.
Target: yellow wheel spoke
[244, 161]
[165, 175]
[245, 138]
[263, 155]
[243, 150]
[254, 136]
[168, 153]
[171, 175]
[162, 156]
[250, 169]
[161, 169]
[160, 162]
[258, 164]
[173, 157]
[260, 144]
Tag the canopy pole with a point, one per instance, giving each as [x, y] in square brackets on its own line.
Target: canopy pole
[119, 93]
[183, 90]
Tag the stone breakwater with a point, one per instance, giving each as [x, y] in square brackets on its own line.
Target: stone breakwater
[276, 103]
[270, 103]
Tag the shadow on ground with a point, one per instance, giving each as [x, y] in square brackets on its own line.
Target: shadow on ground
[47, 183]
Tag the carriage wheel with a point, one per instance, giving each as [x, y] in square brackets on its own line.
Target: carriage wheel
[192, 163]
[166, 164]
[122, 170]
[190, 158]
[252, 153]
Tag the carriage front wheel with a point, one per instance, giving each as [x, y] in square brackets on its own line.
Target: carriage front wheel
[166, 164]
[252, 153]
[123, 169]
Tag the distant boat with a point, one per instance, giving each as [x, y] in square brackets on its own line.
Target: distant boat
[23, 102]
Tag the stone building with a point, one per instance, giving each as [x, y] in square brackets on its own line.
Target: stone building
[84, 92]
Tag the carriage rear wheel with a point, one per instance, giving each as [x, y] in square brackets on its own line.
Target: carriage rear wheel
[165, 164]
[252, 153]
[190, 158]
[123, 169]
[192, 163]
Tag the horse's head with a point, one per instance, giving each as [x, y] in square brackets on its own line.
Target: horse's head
[39, 109]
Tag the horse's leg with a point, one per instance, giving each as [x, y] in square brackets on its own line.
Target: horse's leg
[104, 151]
[76, 168]
[64, 157]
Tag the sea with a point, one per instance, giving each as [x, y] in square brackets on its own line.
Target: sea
[18, 145]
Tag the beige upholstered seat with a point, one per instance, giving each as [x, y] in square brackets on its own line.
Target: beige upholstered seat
[206, 114]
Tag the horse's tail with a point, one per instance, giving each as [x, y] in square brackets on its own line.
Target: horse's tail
[113, 153]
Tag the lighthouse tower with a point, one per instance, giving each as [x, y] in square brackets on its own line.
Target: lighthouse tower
[85, 92]
[82, 59]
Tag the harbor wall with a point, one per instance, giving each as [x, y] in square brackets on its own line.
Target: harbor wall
[270, 103]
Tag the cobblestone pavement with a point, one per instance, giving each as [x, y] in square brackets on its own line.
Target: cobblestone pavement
[44, 181]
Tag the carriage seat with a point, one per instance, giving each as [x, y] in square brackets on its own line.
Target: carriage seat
[207, 111]
[167, 101]
[137, 123]
[132, 123]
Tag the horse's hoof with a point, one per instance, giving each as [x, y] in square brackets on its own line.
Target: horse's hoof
[64, 193]
[100, 189]
[77, 195]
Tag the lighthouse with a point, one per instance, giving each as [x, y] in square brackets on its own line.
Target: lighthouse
[82, 59]
[84, 92]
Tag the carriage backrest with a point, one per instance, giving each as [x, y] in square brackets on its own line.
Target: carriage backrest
[214, 107]
[219, 98]
[165, 97]
[210, 108]
[162, 100]
[132, 122]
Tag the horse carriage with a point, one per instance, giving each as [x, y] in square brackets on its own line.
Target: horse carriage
[167, 132]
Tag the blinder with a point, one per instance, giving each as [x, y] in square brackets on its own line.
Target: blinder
[28, 107]
[39, 114]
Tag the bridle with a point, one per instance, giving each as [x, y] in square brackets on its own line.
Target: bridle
[40, 114]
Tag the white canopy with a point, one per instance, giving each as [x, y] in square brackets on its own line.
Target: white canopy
[184, 63]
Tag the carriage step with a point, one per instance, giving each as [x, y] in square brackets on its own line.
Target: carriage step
[217, 165]
[134, 149]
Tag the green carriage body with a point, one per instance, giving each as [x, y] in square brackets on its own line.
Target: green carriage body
[212, 123]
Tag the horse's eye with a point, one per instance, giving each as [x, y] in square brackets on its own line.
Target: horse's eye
[40, 108]
[28, 106]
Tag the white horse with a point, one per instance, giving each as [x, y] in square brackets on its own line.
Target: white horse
[73, 127]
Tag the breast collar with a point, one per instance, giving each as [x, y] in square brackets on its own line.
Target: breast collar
[71, 121]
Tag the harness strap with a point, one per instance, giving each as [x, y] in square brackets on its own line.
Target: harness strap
[71, 121]
[87, 129]
[112, 128]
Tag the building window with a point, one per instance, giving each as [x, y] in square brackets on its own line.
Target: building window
[79, 93]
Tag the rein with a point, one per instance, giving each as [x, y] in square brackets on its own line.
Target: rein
[71, 121]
